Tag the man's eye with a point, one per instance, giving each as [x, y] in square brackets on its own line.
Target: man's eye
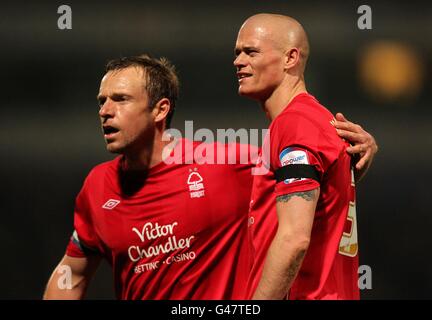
[120, 98]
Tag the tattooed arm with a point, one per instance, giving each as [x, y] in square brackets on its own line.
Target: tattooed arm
[296, 213]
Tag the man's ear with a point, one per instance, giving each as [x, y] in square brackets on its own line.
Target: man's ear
[161, 109]
[292, 58]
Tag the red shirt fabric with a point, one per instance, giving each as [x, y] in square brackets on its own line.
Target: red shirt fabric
[181, 235]
[302, 134]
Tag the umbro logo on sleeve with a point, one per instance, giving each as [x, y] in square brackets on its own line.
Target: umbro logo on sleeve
[111, 204]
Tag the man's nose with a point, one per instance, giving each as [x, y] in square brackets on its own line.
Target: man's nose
[107, 109]
[239, 61]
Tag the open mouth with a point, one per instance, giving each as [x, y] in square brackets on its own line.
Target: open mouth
[241, 76]
[109, 131]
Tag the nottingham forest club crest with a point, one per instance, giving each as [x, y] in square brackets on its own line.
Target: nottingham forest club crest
[196, 185]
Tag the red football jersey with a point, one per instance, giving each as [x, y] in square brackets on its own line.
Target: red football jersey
[302, 134]
[181, 235]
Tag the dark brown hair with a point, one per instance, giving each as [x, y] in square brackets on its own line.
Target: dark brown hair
[160, 75]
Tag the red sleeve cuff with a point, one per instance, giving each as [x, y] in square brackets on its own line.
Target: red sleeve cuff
[296, 186]
[72, 250]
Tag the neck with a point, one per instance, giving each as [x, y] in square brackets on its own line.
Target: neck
[147, 157]
[282, 96]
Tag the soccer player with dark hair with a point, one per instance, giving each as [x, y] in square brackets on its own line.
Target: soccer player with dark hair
[169, 231]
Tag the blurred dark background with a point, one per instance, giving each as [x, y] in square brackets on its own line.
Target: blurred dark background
[50, 135]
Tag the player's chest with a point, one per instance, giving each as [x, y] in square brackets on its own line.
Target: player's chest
[175, 210]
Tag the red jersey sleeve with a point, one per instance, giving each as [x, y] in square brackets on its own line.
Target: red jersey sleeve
[84, 240]
[297, 139]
